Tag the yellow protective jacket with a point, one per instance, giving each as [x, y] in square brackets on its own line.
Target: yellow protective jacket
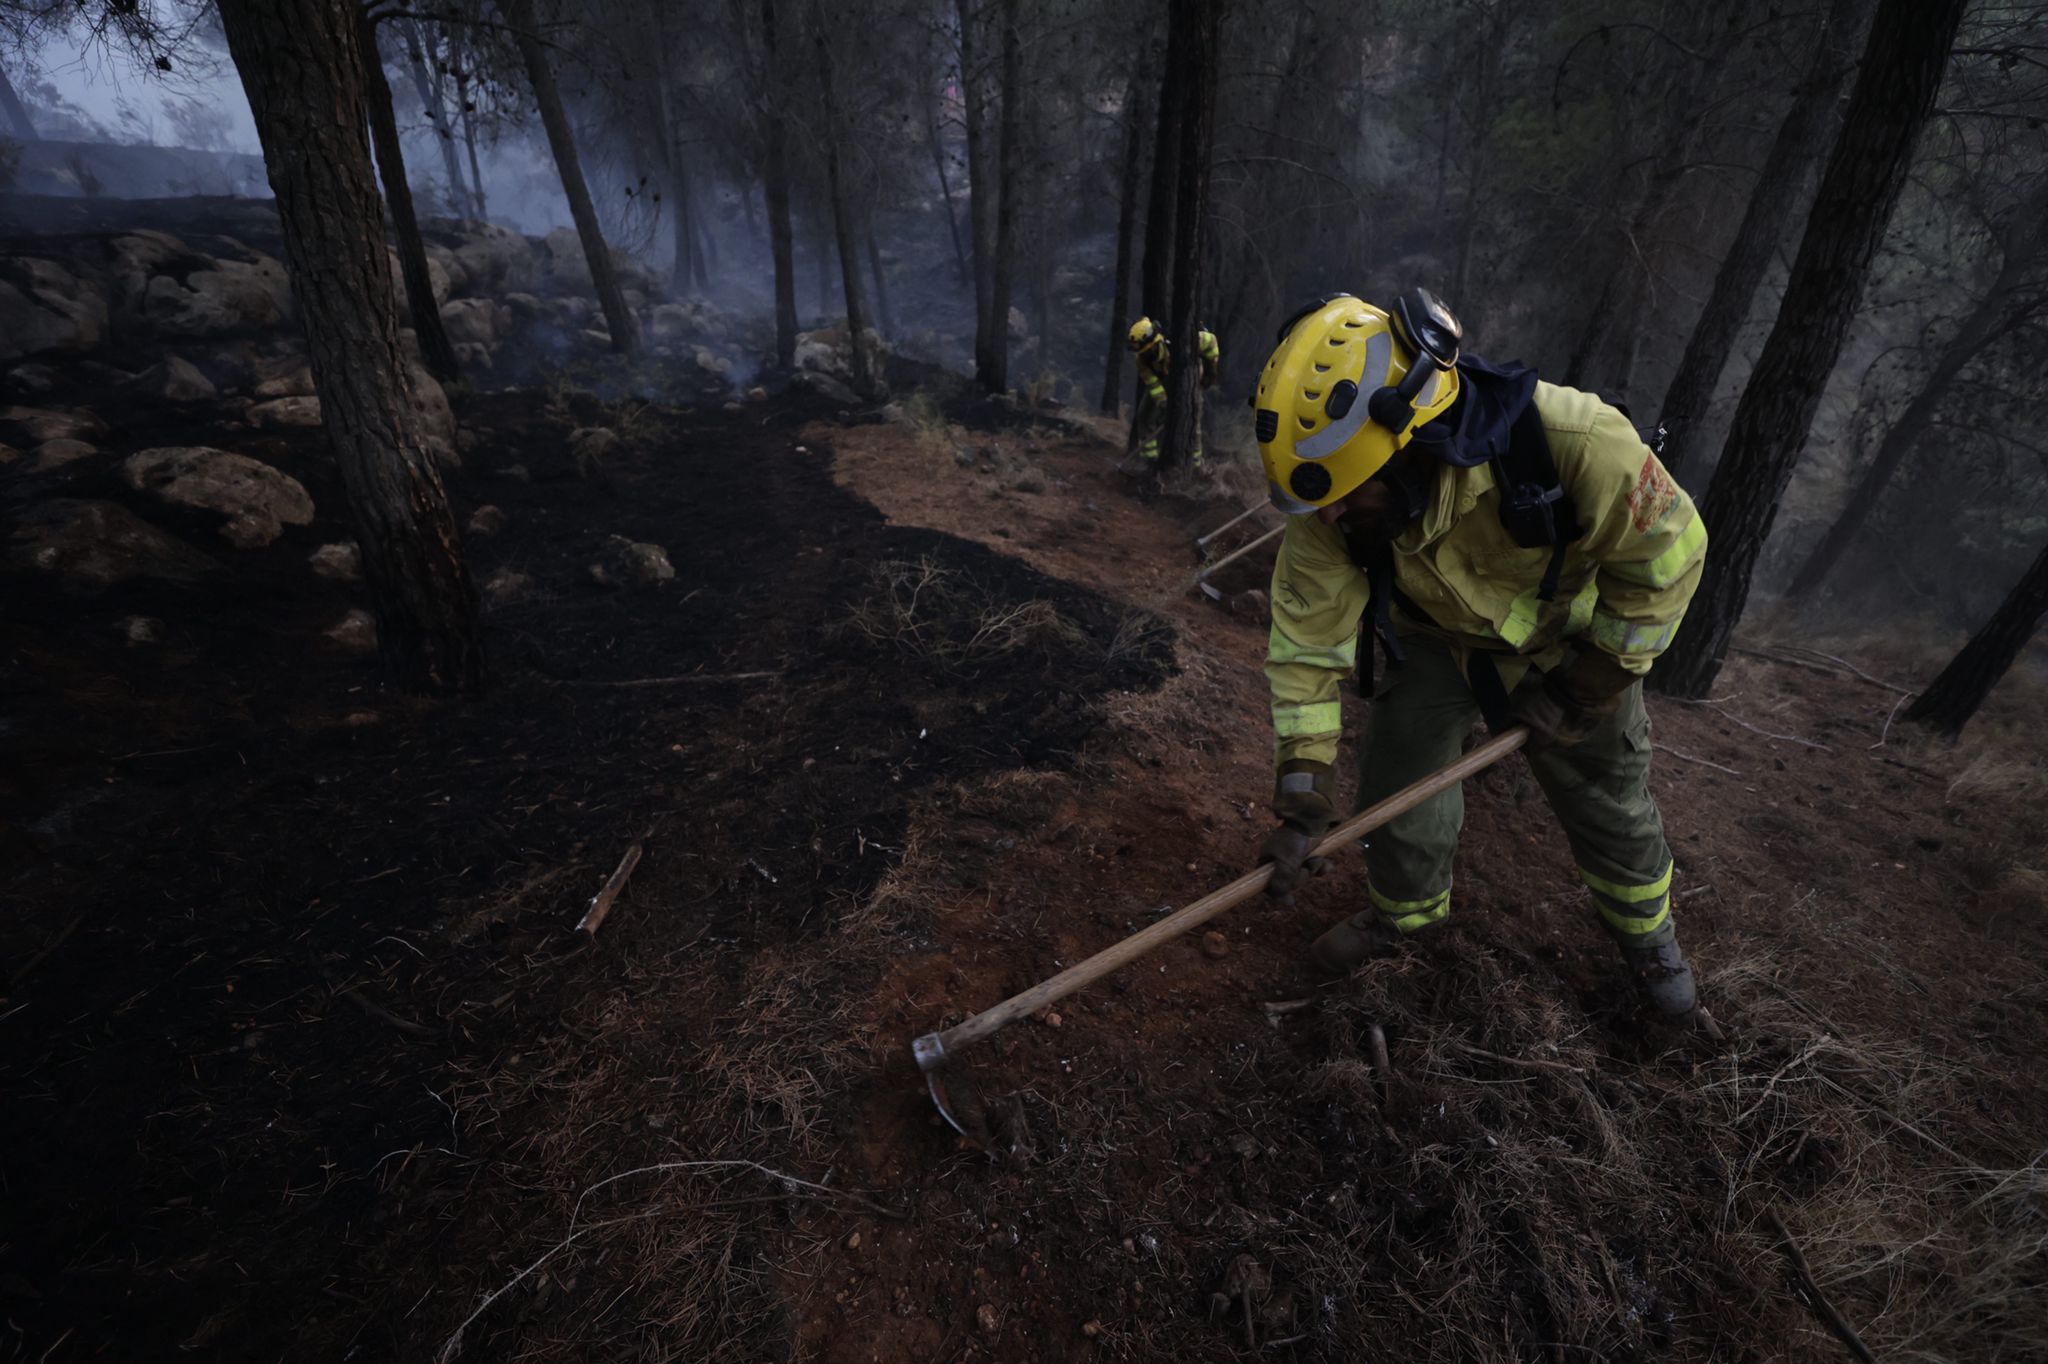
[1625, 583]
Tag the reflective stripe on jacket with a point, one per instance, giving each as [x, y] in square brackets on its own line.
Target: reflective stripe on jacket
[1624, 588]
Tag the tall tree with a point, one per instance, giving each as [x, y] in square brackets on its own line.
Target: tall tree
[2000, 308]
[1126, 223]
[17, 117]
[1778, 192]
[302, 66]
[1953, 697]
[1155, 298]
[981, 186]
[775, 188]
[426, 81]
[992, 351]
[931, 128]
[435, 349]
[1895, 90]
[1196, 25]
[540, 74]
[845, 228]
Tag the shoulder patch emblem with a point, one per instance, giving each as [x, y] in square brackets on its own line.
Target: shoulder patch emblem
[1651, 497]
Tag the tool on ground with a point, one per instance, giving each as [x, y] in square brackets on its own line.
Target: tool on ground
[1209, 589]
[934, 1050]
[1202, 541]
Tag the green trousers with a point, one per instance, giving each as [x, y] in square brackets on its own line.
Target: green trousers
[1599, 790]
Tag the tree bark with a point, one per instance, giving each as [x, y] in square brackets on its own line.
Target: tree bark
[1953, 697]
[540, 74]
[1197, 26]
[1909, 47]
[1155, 289]
[1797, 145]
[843, 226]
[1126, 223]
[428, 83]
[1997, 312]
[435, 349]
[775, 190]
[884, 317]
[303, 70]
[931, 128]
[981, 190]
[17, 117]
[476, 175]
[992, 356]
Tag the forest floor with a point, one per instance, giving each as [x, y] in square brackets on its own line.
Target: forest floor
[302, 1058]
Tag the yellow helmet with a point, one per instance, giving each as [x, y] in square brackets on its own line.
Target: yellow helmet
[1145, 334]
[1346, 388]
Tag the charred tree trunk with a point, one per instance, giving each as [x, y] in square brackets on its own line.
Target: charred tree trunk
[981, 189]
[1197, 25]
[302, 66]
[885, 319]
[1909, 46]
[17, 117]
[1155, 289]
[992, 358]
[476, 175]
[1953, 697]
[931, 128]
[1126, 223]
[775, 190]
[1778, 191]
[540, 74]
[1479, 111]
[427, 83]
[435, 350]
[843, 225]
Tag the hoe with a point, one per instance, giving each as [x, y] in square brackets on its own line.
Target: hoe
[934, 1050]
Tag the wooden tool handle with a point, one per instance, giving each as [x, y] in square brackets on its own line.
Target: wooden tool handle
[1239, 553]
[1215, 902]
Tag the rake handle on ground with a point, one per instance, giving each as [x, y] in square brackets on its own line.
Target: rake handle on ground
[1238, 553]
[934, 1050]
[1253, 510]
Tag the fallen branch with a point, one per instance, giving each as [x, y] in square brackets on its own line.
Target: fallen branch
[1886, 732]
[1844, 666]
[1681, 753]
[1753, 729]
[1818, 1300]
[1528, 1062]
[601, 903]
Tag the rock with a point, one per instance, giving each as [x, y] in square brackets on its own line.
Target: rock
[826, 351]
[471, 356]
[829, 388]
[208, 296]
[518, 473]
[296, 384]
[8, 454]
[1215, 946]
[691, 317]
[712, 364]
[436, 427]
[757, 394]
[985, 1317]
[301, 411]
[525, 308]
[171, 380]
[565, 270]
[487, 520]
[44, 307]
[1250, 604]
[40, 424]
[98, 544]
[141, 629]
[355, 632]
[341, 561]
[494, 260]
[853, 1241]
[437, 277]
[591, 446]
[1019, 328]
[474, 321]
[258, 501]
[506, 586]
[596, 336]
[55, 454]
[630, 561]
[31, 379]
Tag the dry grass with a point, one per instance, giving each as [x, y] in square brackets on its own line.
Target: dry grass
[939, 614]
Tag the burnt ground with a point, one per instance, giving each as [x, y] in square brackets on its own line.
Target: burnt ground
[302, 1059]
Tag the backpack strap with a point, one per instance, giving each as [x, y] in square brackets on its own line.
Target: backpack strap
[1534, 507]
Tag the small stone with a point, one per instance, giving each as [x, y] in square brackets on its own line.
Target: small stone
[516, 472]
[1215, 945]
[341, 561]
[853, 1241]
[355, 632]
[591, 446]
[757, 394]
[8, 454]
[985, 1315]
[284, 412]
[32, 378]
[142, 629]
[361, 719]
[735, 407]
[55, 454]
[1091, 1329]
[640, 563]
[1250, 604]
[1052, 1019]
[487, 520]
[506, 586]
[297, 384]
[171, 380]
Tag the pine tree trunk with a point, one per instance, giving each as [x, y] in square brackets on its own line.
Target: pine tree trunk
[1953, 697]
[1155, 289]
[17, 117]
[428, 84]
[1126, 224]
[884, 318]
[931, 128]
[843, 225]
[435, 349]
[992, 358]
[1909, 46]
[540, 74]
[775, 190]
[476, 174]
[1798, 144]
[1197, 24]
[981, 189]
[303, 70]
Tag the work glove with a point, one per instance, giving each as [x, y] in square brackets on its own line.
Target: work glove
[1573, 700]
[1304, 797]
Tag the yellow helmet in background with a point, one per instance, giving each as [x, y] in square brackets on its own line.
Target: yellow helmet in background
[1346, 388]
[1145, 334]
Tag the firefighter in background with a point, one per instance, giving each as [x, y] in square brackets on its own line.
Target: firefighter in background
[1155, 359]
[1518, 552]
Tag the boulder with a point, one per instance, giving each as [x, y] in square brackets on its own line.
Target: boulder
[437, 277]
[247, 291]
[565, 271]
[488, 519]
[258, 501]
[716, 365]
[494, 260]
[828, 388]
[98, 544]
[631, 561]
[8, 454]
[445, 268]
[39, 424]
[300, 411]
[355, 633]
[171, 380]
[55, 454]
[340, 562]
[826, 351]
[575, 312]
[591, 446]
[474, 321]
[44, 307]
[436, 419]
[32, 379]
[473, 357]
[296, 384]
[526, 308]
[506, 586]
